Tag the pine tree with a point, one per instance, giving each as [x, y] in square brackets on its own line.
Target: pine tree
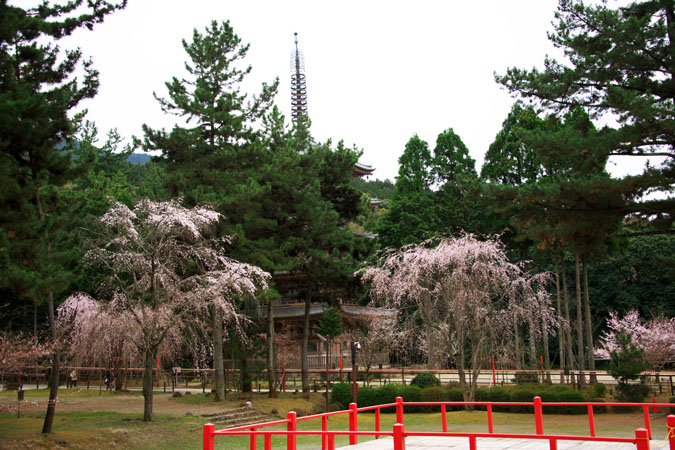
[39, 86]
[620, 64]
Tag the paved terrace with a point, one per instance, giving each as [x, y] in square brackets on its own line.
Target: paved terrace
[457, 443]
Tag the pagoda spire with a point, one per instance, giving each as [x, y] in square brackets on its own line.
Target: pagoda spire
[298, 83]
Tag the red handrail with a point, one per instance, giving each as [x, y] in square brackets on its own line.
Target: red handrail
[642, 435]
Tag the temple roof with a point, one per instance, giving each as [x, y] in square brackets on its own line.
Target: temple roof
[361, 170]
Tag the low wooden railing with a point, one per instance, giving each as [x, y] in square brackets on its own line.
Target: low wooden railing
[641, 439]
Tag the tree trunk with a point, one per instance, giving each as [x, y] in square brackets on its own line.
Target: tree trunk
[305, 341]
[148, 380]
[561, 321]
[589, 326]
[54, 381]
[516, 343]
[119, 373]
[218, 365]
[568, 325]
[580, 317]
[271, 337]
[532, 340]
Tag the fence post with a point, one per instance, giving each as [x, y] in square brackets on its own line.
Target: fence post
[399, 436]
[399, 410]
[353, 423]
[268, 442]
[489, 416]
[538, 418]
[207, 442]
[254, 439]
[324, 437]
[291, 426]
[591, 420]
[444, 418]
[377, 422]
[670, 423]
[647, 424]
[642, 439]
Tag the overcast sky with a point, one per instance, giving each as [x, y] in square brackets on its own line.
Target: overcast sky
[377, 72]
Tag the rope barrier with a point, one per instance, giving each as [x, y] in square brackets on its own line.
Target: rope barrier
[671, 434]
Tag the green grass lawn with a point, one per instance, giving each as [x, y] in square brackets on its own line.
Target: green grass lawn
[85, 419]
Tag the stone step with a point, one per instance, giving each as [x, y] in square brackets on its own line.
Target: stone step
[235, 416]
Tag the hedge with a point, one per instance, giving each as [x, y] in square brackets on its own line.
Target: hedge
[370, 396]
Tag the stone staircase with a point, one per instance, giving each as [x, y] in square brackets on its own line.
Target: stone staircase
[239, 416]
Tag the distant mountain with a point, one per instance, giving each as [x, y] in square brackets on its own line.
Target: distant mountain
[139, 158]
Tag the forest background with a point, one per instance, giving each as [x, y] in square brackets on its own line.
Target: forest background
[291, 204]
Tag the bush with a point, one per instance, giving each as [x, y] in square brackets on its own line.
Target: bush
[432, 394]
[454, 395]
[522, 394]
[341, 394]
[564, 397]
[411, 394]
[672, 408]
[500, 395]
[526, 378]
[600, 390]
[387, 394]
[425, 379]
[366, 397]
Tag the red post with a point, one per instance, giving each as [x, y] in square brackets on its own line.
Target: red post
[472, 442]
[158, 374]
[331, 442]
[324, 437]
[254, 439]
[207, 441]
[268, 442]
[291, 439]
[399, 436]
[377, 422]
[591, 421]
[283, 375]
[642, 439]
[494, 374]
[489, 411]
[399, 410]
[553, 444]
[444, 418]
[670, 422]
[647, 424]
[353, 423]
[538, 417]
[654, 408]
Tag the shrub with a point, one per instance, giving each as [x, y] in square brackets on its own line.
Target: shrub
[672, 408]
[500, 395]
[425, 379]
[387, 394]
[367, 396]
[341, 394]
[432, 394]
[600, 390]
[526, 378]
[454, 395]
[522, 394]
[567, 396]
[411, 394]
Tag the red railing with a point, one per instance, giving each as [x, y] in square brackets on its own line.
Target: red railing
[641, 439]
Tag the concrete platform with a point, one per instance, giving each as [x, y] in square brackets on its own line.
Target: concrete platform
[457, 443]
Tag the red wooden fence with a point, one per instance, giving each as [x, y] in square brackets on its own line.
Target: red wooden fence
[641, 439]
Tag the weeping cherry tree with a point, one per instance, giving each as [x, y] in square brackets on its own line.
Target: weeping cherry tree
[466, 294]
[161, 270]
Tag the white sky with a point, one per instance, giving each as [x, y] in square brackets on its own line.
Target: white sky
[377, 71]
